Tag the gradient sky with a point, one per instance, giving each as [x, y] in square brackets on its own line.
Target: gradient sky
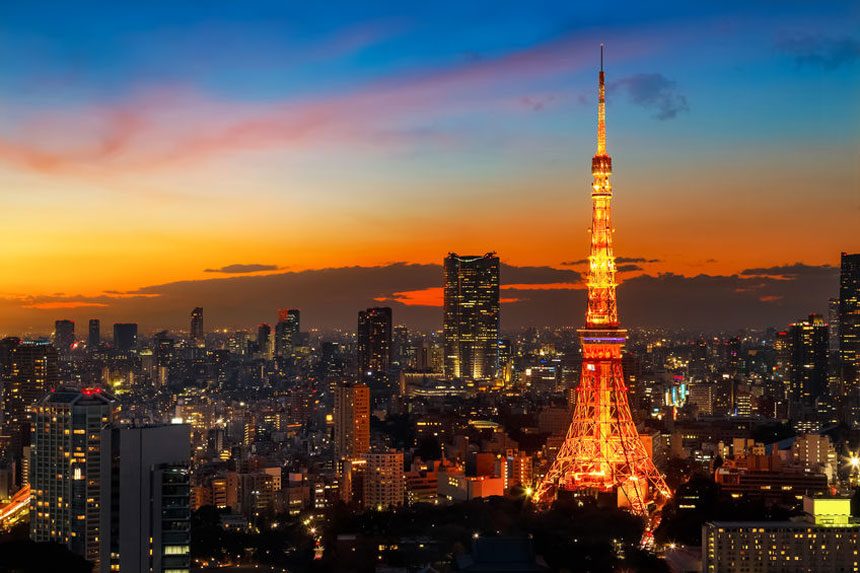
[148, 143]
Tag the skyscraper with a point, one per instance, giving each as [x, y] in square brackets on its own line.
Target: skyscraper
[124, 336]
[351, 420]
[849, 320]
[287, 332]
[65, 468]
[264, 335]
[94, 336]
[471, 316]
[374, 347]
[64, 335]
[196, 329]
[33, 370]
[145, 511]
[807, 341]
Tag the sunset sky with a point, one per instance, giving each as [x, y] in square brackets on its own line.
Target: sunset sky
[147, 144]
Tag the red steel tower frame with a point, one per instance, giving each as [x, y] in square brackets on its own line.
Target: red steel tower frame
[602, 451]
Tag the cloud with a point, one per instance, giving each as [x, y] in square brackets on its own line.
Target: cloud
[627, 268]
[58, 304]
[574, 262]
[165, 126]
[635, 260]
[820, 51]
[653, 92]
[537, 103]
[789, 272]
[238, 269]
[533, 296]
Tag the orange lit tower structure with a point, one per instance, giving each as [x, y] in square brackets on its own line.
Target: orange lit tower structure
[602, 451]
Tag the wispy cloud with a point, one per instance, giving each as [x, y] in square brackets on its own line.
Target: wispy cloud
[654, 92]
[821, 51]
[170, 125]
[238, 269]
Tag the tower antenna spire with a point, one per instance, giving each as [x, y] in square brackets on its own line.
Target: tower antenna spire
[601, 109]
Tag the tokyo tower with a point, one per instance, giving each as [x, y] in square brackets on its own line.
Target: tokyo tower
[602, 451]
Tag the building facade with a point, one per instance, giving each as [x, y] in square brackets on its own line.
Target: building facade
[384, 480]
[66, 478]
[849, 321]
[351, 420]
[196, 328]
[826, 540]
[373, 347]
[287, 332]
[145, 511]
[471, 316]
[808, 361]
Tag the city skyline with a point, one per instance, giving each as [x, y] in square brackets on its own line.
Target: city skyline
[310, 289]
[428, 133]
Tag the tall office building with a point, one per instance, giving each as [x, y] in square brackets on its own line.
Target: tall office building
[384, 480]
[65, 468]
[374, 347]
[33, 371]
[351, 420]
[849, 320]
[287, 332]
[807, 341]
[64, 335]
[94, 335]
[145, 511]
[471, 321]
[196, 329]
[264, 335]
[124, 336]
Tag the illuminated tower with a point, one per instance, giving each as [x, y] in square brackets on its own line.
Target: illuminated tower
[603, 452]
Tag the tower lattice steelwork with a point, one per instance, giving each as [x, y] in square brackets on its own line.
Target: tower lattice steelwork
[602, 451]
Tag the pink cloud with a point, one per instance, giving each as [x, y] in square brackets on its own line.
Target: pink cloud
[171, 126]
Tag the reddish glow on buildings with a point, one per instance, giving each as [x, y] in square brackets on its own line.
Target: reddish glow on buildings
[602, 451]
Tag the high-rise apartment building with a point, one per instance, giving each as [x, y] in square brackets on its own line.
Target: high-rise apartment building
[124, 336]
[66, 478]
[33, 370]
[471, 316]
[384, 480]
[351, 420]
[145, 511]
[808, 360]
[373, 347]
[849, 320]
[287, 332]
[196, 330]
[64, 335]
[94, 334]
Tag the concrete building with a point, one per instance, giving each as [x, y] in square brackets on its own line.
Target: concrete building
[351, 420]
[145, 510]
[384, 480]
[827, 539]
